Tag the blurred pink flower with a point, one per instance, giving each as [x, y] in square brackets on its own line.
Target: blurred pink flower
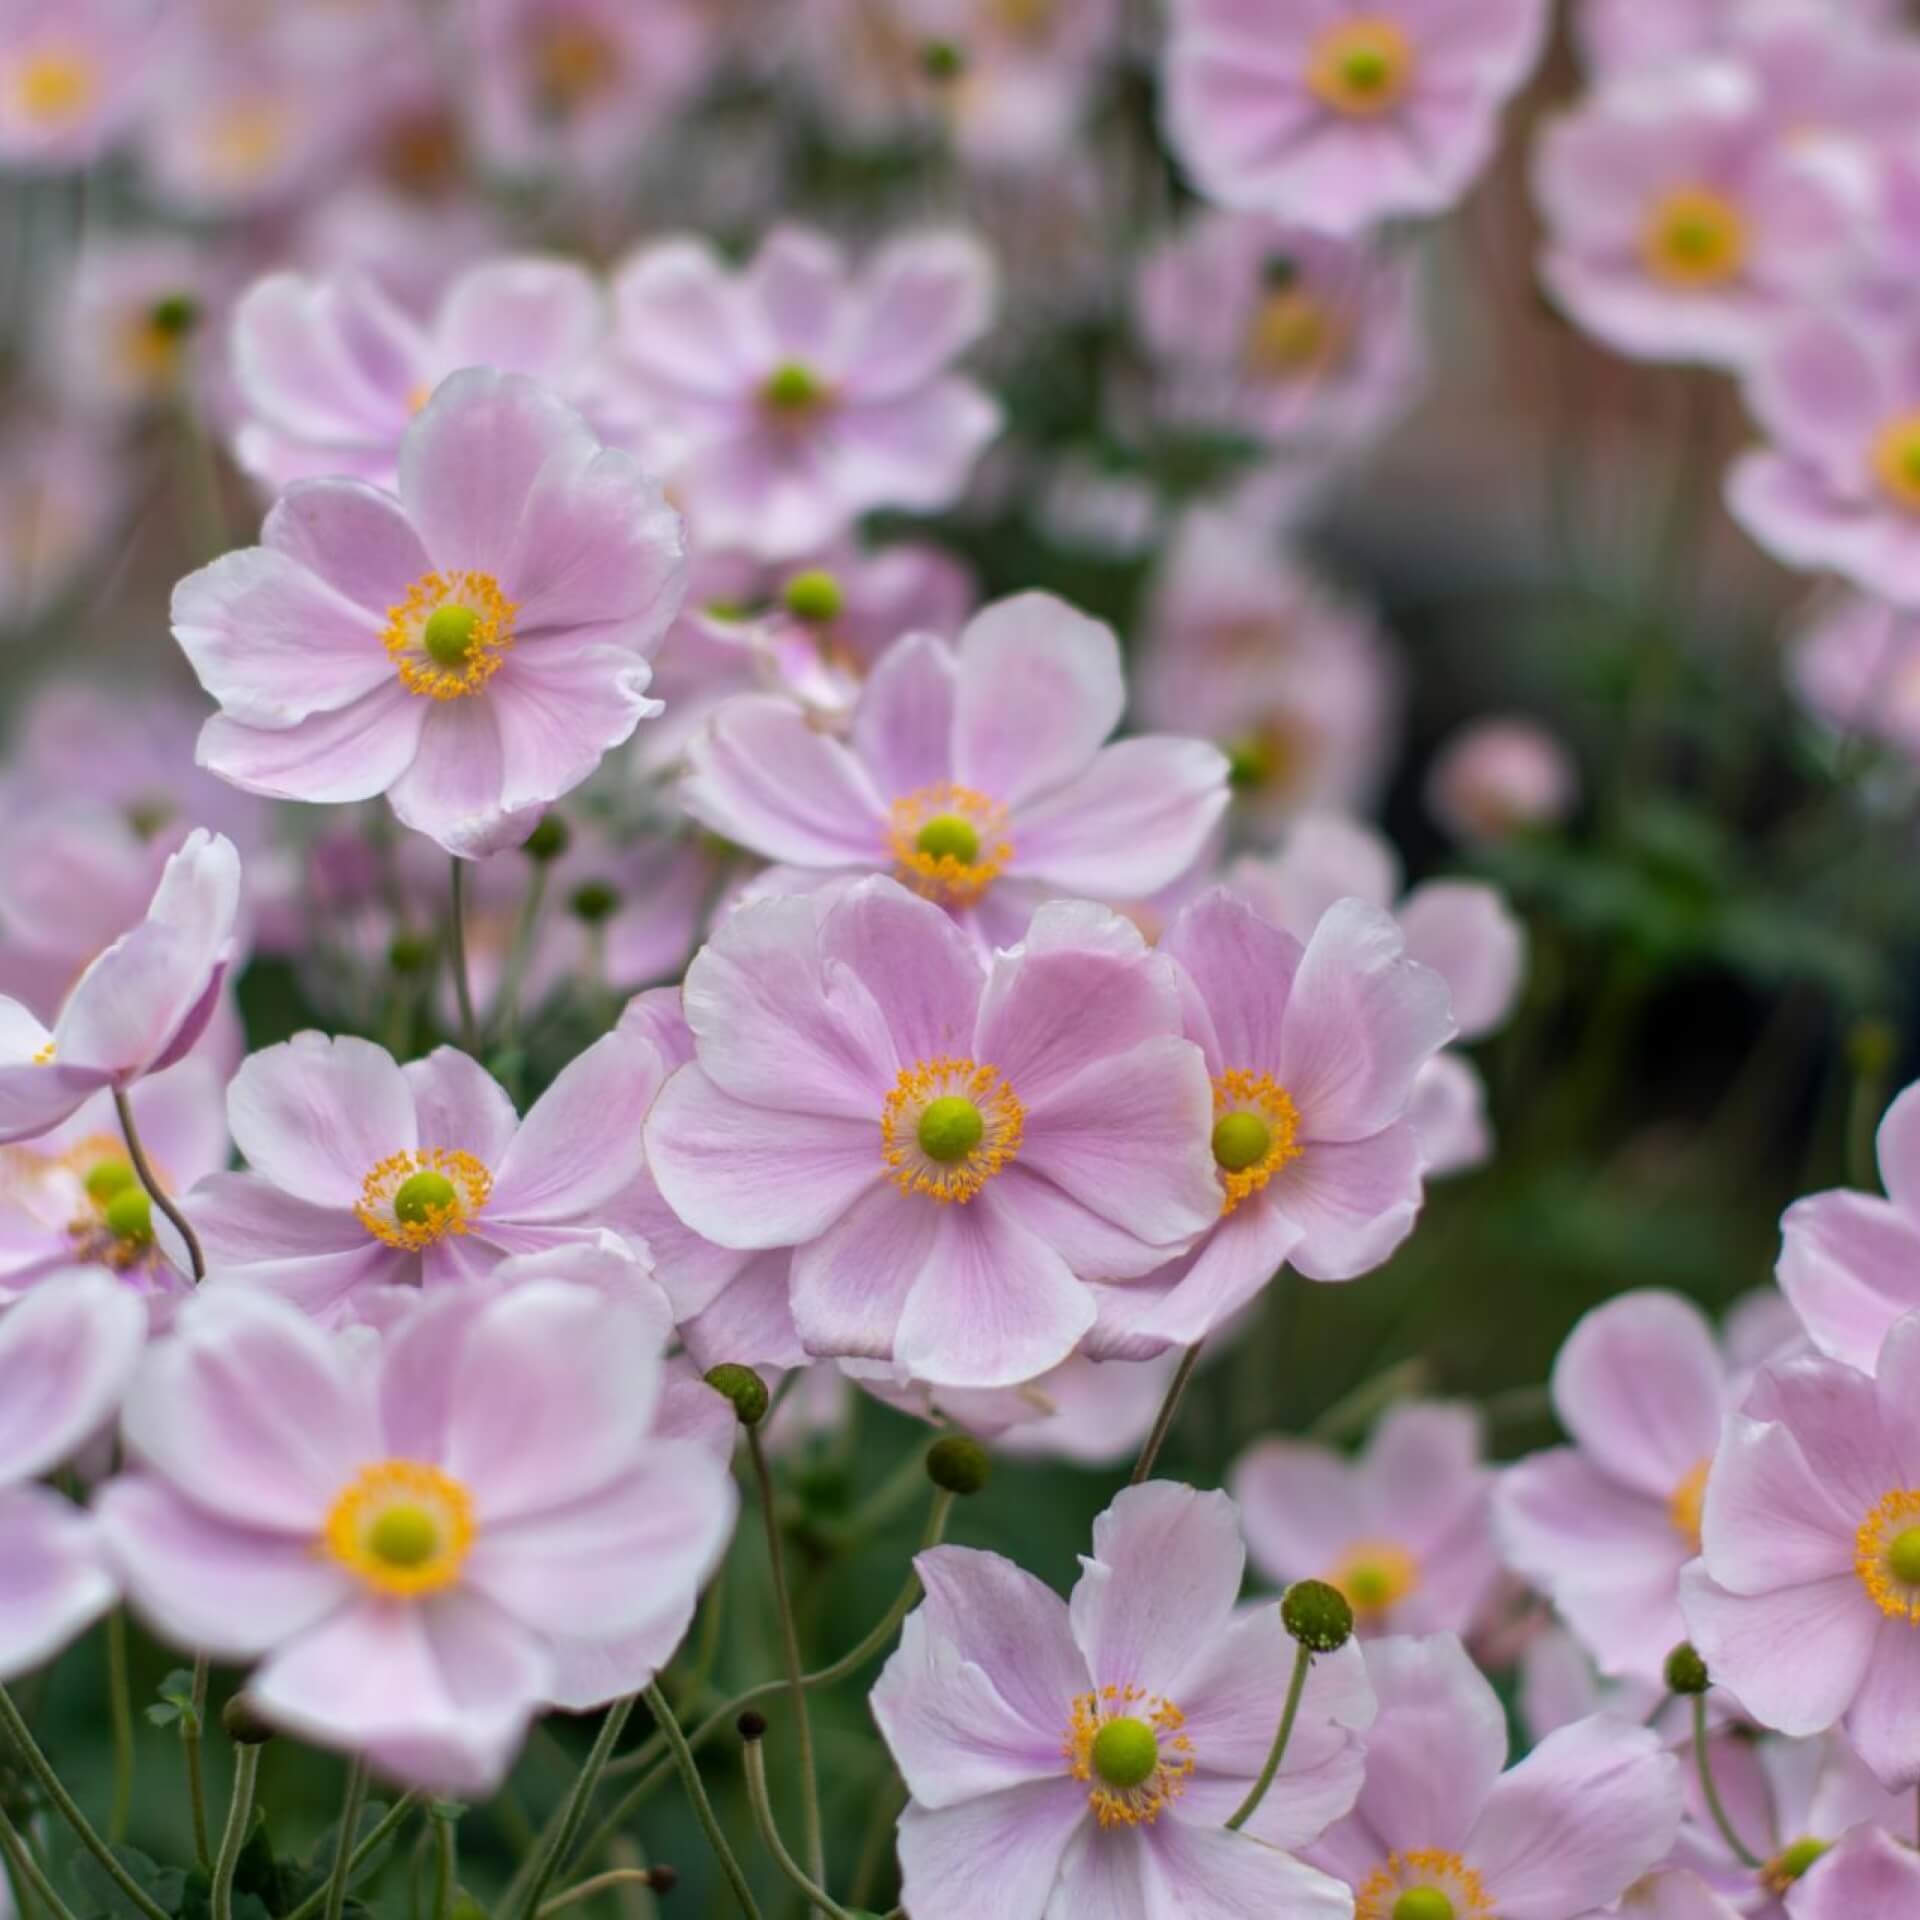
[1405, 1531]
[129, 328]
[73, 74]
[809, 394]
[952, 1150]
[1857, 669]
[423, 1540]
[996, 1703]
[62, 493]
[1340, 114]
[1617, 37]
[471, 648]
[1500, 776]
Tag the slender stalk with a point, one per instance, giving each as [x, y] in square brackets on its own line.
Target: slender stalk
[1163, 1420]
[246, 1770]
[505, 1011]
[551, 1855]
[375, 1836]
[351, 1801]
[26, 1870]
[120, 1709]
[1290, 1712]
[1711, 1793]
[193, 1725]
[613, 1877]
[457, 952]
[816, 1845]
[41, 1768]
[137, 1153]
[446, 1862]
[755, 1759]
[662, 1711]
[875, 1848]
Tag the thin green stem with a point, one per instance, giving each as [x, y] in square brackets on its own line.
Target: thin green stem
[457, 954]
[26, 1870]
[600, 1883]
[246, 1771]
[505, 1011]
[552, 1854]
[1163, 1420]
[755, 1760]
[120, 1709]
[1302, 1660]
[351, 1801]
[376, 1835]
[1711, 1793]
[816, 1845]
[193, 1733]
[158, 1194]
[446, 1862]
[68, 1808]
[662, 1711]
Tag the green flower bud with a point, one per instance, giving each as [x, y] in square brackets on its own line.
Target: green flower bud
[958, 1463]
[594, 902]
[549, 840]
[1317, 1615]
[744, 1388]
[1686, 1671]
[243, 1724]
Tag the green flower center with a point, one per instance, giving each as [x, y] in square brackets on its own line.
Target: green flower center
[1369, 1585]
[404, 1535]
[1125, 1753]
[1423, 1903]
[107, 1179]
[950, 1129]
[1367, 70]
[947, 836]
[814, 596]
[422, 1198]
[1903, 1556]
[1789, 1865]
[448, 635]
[129, 1216]
[792, 388]
[1241, 1140]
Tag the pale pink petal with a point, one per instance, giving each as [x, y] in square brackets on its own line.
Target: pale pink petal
[1299, 1507]
[523, 314]
[354, 537]
[1467, 935]
[1431, 1698]
[1850, 1267]
[54, 1577]
[559, 710]
[851, 1284]
[352, 754]
[928, 297]
[922, 971]
[1209, 1870]
[67, 1352]
[903, 724]
[1897, 1148]
[1242, 969]
[1023, 1830]
[318, 1257]
[459, 1105]
[1880, 1723]
[317, 1115]
[455, 789]
[680, 320]
[581, 1142]
[1353, 1202]
[1767, 1521]
[1869, 1872]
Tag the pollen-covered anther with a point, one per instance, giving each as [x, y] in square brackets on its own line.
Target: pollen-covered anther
[450, 635]
[1293, 335]
[55, 85]
[1361, 67]
[793, 391]
[1422, 1884]
[1896, 460]
[1374, 1575]
[1686, 1503]
[402, 1526]
[948, 1127]
[1887, 1554]
[1255, 1132]
[949, 842]
[1694, 238]
[1131, 1749]
[416, 1198]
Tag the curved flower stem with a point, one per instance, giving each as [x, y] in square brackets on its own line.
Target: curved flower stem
[755, 1759]
[505, 1011]
[374, 1836]
[1711, 1793]
[796, 1679]
[193, 1725]
[662, 1711]
[26, 1871]
[120, 1709]
[457, 954]
[1302, 1660]
[1163, 1420]
[246, 1770]
[351, 1801]
[614, 1877]
[158, 1194]
[552, 1853]
[50, 1783]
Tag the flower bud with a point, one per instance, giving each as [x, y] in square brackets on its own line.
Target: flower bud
[549, 840]
[243, 1723]
[175, 316]
[1686, 1671]
[958, 1463]
[943, 60]
[594, 902]
[744, 1388]
[409, 953]
[751, 1725]
[1317, 1615]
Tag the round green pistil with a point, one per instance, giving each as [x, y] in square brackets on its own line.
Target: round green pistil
[107, 1179]
[1241, 1140]
[947, 836]
[448, 635]
[791, 388]
[1903, 1557]
[1369, 1586]
[1125, 1753]
[1693, 240]
[404, 1535]
[1366, 70]
[1910, 461]
[422, 1198]
[814, 596]
[1796, 1859]
[1423, 1903]
[129, 1216]
[950, 1129]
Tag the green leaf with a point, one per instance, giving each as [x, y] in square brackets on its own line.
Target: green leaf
[100, 1899]
[319, 1863]
[176, 1701]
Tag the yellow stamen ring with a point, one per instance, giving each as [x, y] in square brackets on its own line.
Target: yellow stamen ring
[1121, 1792]
[1896, 459]
[1887, 1555]
[1689, 1497]
[1421, 1870]
[1361, 67]
[949, 843]
[1374, 1575]
[1251, 1110]
[450, 634]
[948, 1127]
[403, 1527]
[414, 1199]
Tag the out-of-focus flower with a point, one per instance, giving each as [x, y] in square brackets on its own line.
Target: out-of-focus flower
[1501, 776]
[138, 1008]
[1683, 223]
[331, 371]
[1094, 1750]
[1867, 1872]
[1839, 396]
[1307, 340]
[1405, 1531]
[1618, 37]
[1340, 114]
[974, 772]
[72, 1197]
[1313, 1050]
[1604, 1526]
[73, 74]
[1462, 929]
[1293, 682]
[808, 394]
[128, 329]
[61, 495]
[1857, 669]
[66, 1355]
[951, 1149]
[426, 1539]
[471, 648]
[367, 1175]
[1569, 1829]
[1804, 1602]
[411, 248]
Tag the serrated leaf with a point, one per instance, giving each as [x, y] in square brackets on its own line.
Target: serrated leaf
[101, 1899]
